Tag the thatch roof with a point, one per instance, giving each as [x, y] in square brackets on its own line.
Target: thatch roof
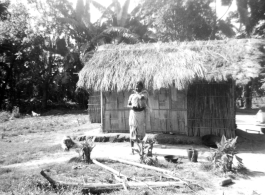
[161, 64]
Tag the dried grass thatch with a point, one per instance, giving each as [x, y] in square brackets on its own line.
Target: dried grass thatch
[162, 64]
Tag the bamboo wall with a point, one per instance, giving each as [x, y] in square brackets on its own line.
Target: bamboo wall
[211, 109]
[202, 109]
[169, 112]
[94, 108]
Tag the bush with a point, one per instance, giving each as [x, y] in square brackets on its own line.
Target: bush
[206, 166]
[15, 112]
[225, 153]
[4, 116]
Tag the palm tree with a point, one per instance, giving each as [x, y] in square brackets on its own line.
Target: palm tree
[120, 26]
[77, 20]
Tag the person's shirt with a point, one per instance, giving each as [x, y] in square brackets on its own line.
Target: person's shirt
[139, 101]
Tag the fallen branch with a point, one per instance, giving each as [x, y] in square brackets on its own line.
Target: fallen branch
[103, 186]
[140, 165]
[165, 172]
[123, 178]
[91, 186]
[50, 180]
[118, 175]
[108, 168]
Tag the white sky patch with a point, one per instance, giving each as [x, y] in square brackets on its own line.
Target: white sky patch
[223, 11]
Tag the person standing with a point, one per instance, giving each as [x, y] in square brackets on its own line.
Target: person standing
[139, 104]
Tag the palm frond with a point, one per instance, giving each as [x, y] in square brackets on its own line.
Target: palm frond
[99, 7]
[79, 26]
[123, 14]
[124, 34]
[117, 30]
[107, 13]
[86, 18]
[117, 6]
[65, 8]
[136, 10]
[79, 10]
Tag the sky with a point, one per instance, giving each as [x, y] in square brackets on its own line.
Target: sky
[222, 11]
[95, 14]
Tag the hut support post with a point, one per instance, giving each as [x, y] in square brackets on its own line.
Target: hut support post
[233, 128]
[101, 111]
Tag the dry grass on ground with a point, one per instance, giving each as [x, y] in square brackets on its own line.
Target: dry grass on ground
[47, 123]
[30, 138]
[22, 139]
[80, 172]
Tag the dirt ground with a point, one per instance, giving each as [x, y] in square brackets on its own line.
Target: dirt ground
[252, 153]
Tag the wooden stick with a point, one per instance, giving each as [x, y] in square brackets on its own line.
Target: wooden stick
[140, 165]
[165, 172]
[50, 180]
[116, 173]
[108, 168]
[100, 186]
[124, 183]
[86, 185]
[154, 184]
[175, 178]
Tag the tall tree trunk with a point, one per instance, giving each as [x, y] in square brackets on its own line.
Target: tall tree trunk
[3, 87]
[247, 95]
[8, 83]
[242, 9]
[47, 80]
[44, 95]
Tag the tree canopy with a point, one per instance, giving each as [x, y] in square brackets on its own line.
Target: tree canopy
[41, 55]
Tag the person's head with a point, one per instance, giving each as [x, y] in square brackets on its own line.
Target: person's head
[139, 86]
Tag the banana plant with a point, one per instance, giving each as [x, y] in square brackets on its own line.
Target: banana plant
[86, 148]
[145, 151]
[224, 154]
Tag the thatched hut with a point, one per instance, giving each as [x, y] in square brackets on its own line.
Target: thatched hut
[191, 84]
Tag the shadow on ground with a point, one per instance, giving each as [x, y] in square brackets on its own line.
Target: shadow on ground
[247, 111]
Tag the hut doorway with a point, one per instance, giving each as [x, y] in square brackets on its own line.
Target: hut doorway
[211, 109]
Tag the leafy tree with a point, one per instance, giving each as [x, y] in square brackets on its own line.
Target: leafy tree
[179, 20]
[116, 25]
[64, 34]
[35, 64]
[3, 10]
[257, 17]
[13, 31]
[249, 15]
[84, 36]
[259, 29]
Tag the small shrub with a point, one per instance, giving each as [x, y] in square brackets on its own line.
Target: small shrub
[86, 149]
[145, 151]
[5, 171]
[207, 166]
[15, 112]
[4, 116]
[225, 153]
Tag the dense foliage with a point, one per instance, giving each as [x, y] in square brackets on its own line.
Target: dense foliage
[40, 56]
[179, 20]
